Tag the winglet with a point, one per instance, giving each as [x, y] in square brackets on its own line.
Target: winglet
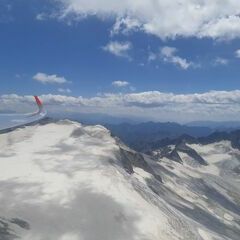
[39, 103]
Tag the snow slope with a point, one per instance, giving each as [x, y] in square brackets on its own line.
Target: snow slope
[66, 181]
[208, 194]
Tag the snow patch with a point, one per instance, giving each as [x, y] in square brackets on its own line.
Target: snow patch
[228, 217]
[204, 234]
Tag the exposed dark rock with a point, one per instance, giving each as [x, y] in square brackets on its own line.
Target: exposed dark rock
[170, 154]
[126, 162]
[21, 223]
[174, 156]
[131, 158]
[5, 231]
[182, 147]
[237, 170]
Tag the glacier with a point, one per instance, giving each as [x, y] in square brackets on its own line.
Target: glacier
[67, 181]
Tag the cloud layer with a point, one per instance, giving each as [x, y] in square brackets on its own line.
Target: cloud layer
[152, 105]
[163, 18]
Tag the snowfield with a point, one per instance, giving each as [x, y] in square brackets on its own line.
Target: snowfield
[66, 181]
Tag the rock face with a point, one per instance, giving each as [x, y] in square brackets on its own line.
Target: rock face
[173, 153]
[182, 147]
[66, 181]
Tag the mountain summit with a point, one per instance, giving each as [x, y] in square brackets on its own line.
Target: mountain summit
[66, 181]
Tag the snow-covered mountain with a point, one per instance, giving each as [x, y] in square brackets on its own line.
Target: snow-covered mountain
[66, 181]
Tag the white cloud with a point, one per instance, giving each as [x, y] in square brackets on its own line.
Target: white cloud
[152, 56]
[152, 105]
[163, 18]
[120, 49]
[125, 26]
[45, 78]
[237, 53]
[120, 83]
[64, 90]
[168, 54]
[225, 28]
[41, 16]
[221, 61]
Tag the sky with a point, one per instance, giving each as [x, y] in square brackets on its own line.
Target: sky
[155, 60]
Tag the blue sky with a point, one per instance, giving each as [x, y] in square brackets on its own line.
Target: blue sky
[104, 48]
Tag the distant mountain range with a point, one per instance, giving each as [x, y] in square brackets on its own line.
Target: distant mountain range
[101, 118]
[148, 136]
[138, 136]
[93, 118]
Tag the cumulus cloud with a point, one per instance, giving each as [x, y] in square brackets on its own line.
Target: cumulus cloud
[41, 16]
[152, 56]
[64, 90]
[163, 18]
[125, 26]
[120, 83]
[120, 49]
[168, 54]
[151, 105]
[237, 53]
[221, 61]
[45, 78]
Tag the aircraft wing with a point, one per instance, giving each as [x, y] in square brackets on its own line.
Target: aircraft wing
[15, 120]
